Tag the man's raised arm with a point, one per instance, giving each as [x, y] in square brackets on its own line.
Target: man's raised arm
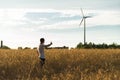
[48, 45]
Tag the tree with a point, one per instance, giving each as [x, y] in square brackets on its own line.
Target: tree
[5, 47]
[90, 45]
[113, 45]
[27, 48]
[80, 45]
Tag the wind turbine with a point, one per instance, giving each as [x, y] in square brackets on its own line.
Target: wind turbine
[84, 20]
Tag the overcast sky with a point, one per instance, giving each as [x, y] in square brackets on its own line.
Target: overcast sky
[61, 4]
[24, 22]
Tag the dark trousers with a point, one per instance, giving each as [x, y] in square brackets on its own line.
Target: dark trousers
[42, 61]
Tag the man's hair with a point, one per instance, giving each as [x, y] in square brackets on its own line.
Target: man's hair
[42, 40]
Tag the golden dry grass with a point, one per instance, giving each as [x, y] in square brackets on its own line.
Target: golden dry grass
[75, 64]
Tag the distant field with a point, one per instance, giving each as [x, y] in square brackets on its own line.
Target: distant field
[75, 64]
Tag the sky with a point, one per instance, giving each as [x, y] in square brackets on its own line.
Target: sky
[24, 22]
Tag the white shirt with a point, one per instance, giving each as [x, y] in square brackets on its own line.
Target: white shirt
[41, 50]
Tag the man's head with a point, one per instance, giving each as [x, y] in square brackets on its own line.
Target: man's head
[42, 40]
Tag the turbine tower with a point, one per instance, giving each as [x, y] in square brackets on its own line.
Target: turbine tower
[1, 44]
[84, 20]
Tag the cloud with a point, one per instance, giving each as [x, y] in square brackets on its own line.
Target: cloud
[11, 17]
[44, 19]
[69, 19]
[61, 25]
[105, 18]
[51, 17]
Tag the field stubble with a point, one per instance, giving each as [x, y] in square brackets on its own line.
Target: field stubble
[74, 64]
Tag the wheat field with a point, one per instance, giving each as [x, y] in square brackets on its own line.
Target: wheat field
[61, 64]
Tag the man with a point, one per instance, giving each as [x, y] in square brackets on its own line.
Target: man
[41, 52]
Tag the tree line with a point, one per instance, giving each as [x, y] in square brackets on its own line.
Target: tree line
[91, 45]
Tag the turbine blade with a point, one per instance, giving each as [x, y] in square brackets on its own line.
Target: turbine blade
[81, 22]
[82, 12]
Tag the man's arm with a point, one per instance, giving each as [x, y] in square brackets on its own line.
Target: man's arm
[38, 52]
[48, 45]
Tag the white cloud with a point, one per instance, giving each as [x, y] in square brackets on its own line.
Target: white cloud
[11, 17]
[66, 19]
[105, 18]
[61, 25]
